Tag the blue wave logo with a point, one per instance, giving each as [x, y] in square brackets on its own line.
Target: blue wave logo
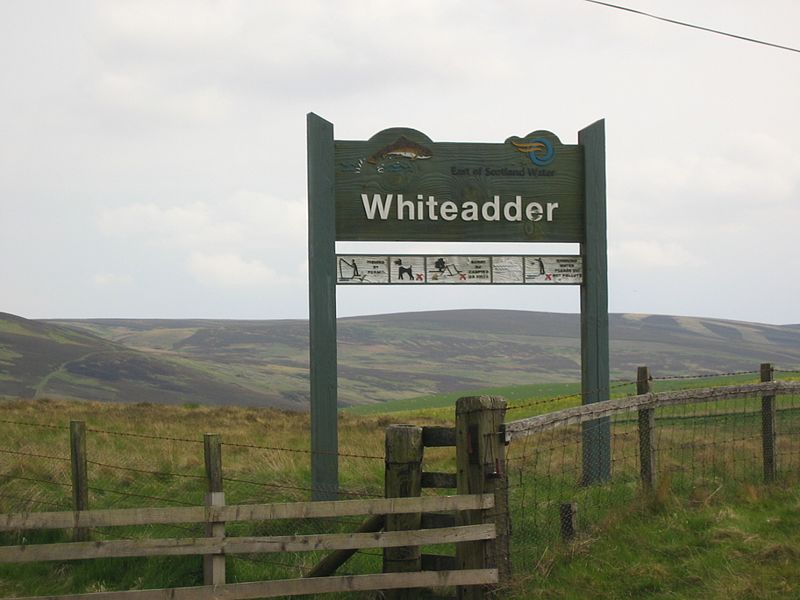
[539, 150]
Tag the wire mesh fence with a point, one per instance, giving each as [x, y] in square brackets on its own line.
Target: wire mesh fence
[700, 449]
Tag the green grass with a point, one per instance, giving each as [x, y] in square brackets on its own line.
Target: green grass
[516, 394]
[744, 543]
[541, 397]
[709, 525]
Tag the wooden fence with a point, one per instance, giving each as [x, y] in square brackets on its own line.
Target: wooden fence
[219, 546]
[399, 524]
[480, 469]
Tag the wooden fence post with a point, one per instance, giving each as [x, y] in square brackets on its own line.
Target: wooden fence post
[768, 428]
[569, 520]
[647, 433]
[403, 479]
[80, 474]
[214, 564]
[481, 469]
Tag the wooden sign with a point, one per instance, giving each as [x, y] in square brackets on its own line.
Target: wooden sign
[438, 269]
[401, 186]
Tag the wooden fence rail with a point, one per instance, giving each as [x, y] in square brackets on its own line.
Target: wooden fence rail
[609, 408]
[294, 587]
[220, 546]
[241, 512]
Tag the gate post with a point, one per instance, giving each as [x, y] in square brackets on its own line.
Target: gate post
[481, 469]
[403, 479]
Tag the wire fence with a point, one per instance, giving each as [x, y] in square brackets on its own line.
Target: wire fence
[700, 449]
[132, 468]
[137, 469]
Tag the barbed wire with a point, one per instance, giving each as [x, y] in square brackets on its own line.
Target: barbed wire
[29, 424]
[145, 436]
[35, 479]
[620, 383]
[20, 453]
[42, 502]
[303, 451]
[703, 375]
[146, 471]
[300, 488]
[135, 495]
[576, 395]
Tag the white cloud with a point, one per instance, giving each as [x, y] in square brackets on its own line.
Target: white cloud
[230, 270]
[244, 219]
[112, 279]
[226, 243]
[652, 254]
[140, 94]
[187, 225]
[170, 22]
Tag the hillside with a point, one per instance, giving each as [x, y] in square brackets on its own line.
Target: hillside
[381, 357]
[39, 359]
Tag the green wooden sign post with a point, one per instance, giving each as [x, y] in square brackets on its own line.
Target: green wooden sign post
[594, 305]
[322, 310]
[401, 186]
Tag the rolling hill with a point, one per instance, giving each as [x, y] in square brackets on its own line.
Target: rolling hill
[381, 357]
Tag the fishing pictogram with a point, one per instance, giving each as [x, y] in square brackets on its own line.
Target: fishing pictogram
[348, 270]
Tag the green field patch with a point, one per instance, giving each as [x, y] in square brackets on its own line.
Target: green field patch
[515, 394]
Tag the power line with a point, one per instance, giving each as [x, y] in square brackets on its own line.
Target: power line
[692, 26]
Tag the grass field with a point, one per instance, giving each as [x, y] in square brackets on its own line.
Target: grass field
[711, 530]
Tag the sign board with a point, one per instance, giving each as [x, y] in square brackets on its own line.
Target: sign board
[401, 186]
[439, 269]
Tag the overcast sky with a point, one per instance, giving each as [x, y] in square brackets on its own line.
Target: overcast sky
[152, 154]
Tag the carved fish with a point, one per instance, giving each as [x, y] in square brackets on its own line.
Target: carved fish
[527, 147]
[539, 150]
[403, 147]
